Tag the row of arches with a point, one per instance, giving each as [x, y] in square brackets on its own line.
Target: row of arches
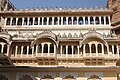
[59, 20]
[68, 77]
[36, 49]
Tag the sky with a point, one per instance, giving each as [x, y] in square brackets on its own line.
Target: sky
[58, 3]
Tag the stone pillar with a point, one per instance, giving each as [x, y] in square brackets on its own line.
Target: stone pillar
[38, 20]
[16, 21]
[100, 20]
[47, 20]
[5, 22]
[11, 21]
[78, 50]
[27, 51]
[102, 49]
[48, 49]
[42, 20]
[22, 21]
[113, 50]
[96, 49]
[94, 20]
[21, 51]
[104, 20]
[58, 20]
[77, 20]
[84, 20]
[88, 20]
[16, 48]
[109, 20]
[54, 49]
[72, 50]
[118, 50]
[28, 21]
[66, 51]
[84, 50]
[32, 51]
[53, 20]
[33, 21]
[36, 49]
[2, 48]
[90, 49]
[66, 20]
[72, 20]
[61, 20]
[61, 50]
[42, 48]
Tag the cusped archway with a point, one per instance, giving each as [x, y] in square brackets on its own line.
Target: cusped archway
[25, 77]
[69, 77]
[46, 36]
[94, 77]
[93, 36]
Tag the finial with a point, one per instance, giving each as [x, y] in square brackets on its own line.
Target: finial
[96, 8]
[80, 8]
[101, 8]
[85, 8]
[90, 8]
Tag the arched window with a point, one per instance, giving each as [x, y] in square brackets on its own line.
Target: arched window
[69, 21]
[55, 21]
[34, 48]
[31, 21]
[19, 50]
[80, 21]
[69, 50]
[25, 21]
[99, 48]
[115, 49]
[30, 50]
[51, 48]
[91, 20]
[45, 48]
[19, 21]
[107, 20]
[8, 21]
[64, 20]
[75, 51]
[87, 48]
[36, 21]
[74, 20]
[50, 21]
[105, 49]
[81, 49]
[86, 20]
[97, 20]
[0, 48]
[5, 48]
[39, 48]
[40, 21]
[45, 21]
[64, 49]
[93, 48]
[25, 50]
[13, 50]
[102, 20]
[14, 21]
[59, 21]
[110, 48]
